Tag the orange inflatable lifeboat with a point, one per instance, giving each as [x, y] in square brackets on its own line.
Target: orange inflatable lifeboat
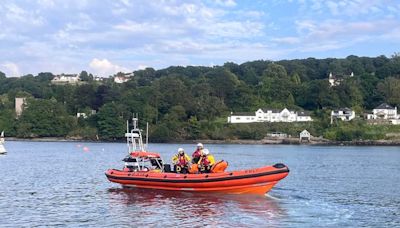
[148, 171]
[144, 169]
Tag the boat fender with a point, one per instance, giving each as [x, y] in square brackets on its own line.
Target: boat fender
[219, 167]
[279, 166]
[194, 169]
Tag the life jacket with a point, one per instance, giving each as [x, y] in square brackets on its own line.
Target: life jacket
[204, 161]
[196, 156]
[182, 160]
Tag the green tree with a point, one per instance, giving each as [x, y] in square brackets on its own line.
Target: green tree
[44, 118]
[390, 88]
[223, 83]
[111, 122]
[84, 76]
[275, 71]
[2, 75]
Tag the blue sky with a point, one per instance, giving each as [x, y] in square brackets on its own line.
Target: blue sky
[104, 37]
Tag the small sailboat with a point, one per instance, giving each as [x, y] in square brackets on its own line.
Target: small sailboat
[2, 148]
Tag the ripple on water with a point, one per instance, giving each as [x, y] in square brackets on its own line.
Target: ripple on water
[56, 184]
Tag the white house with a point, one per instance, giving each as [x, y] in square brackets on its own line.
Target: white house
[81, 114]
[303, 116]
[66, 78]
[344, 114]
[305, 135]
[85, 115]
[242, 117]
[335, 80]
[98, 79]
[277, 135]
[122, 77]
[385, 112]
[270, 115]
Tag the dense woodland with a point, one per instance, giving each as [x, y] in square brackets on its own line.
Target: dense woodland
[193, 102]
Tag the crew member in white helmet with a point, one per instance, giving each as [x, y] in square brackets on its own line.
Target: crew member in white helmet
[196, 155]
[206, 161]
[181, 161]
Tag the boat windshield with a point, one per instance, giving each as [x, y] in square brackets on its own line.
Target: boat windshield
[143, 164]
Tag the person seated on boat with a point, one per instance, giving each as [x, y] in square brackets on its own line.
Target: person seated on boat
[206, 161]
[181, 161]
[197, 154]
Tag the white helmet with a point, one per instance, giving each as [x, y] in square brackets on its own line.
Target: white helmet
[206, 152]
[181, 150]
[200, 145]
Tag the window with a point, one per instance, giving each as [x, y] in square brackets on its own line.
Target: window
[237, 118]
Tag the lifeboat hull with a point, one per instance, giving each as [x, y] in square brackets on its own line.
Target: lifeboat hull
[252, 181]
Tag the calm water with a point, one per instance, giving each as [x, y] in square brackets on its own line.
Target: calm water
[60, 184]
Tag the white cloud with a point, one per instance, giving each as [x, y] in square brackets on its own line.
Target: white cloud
[105, 68]
[327, 35]
[345, 7]
[46, 3]
[234, 29]
[16, 14]
[10, 69]
[59, 36]
[287, 40]
[226, 3]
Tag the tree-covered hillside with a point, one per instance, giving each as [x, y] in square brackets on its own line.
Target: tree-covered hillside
[193, 102]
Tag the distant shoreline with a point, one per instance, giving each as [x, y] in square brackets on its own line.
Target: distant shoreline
[286, 141]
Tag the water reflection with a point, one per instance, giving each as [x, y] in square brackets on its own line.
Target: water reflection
[188, 208]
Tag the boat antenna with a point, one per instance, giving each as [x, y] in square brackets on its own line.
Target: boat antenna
[127, 137]
[147, 135]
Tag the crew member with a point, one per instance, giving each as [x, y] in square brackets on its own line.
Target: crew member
[197, 154]
[206, 161]
[181, 161]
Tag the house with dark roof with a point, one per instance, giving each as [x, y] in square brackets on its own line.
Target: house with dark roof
[343, 114]
[335, 80]
[121, 77]
[303, 116]
[384, 112]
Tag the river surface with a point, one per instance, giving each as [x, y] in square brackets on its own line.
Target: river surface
[63, 184]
